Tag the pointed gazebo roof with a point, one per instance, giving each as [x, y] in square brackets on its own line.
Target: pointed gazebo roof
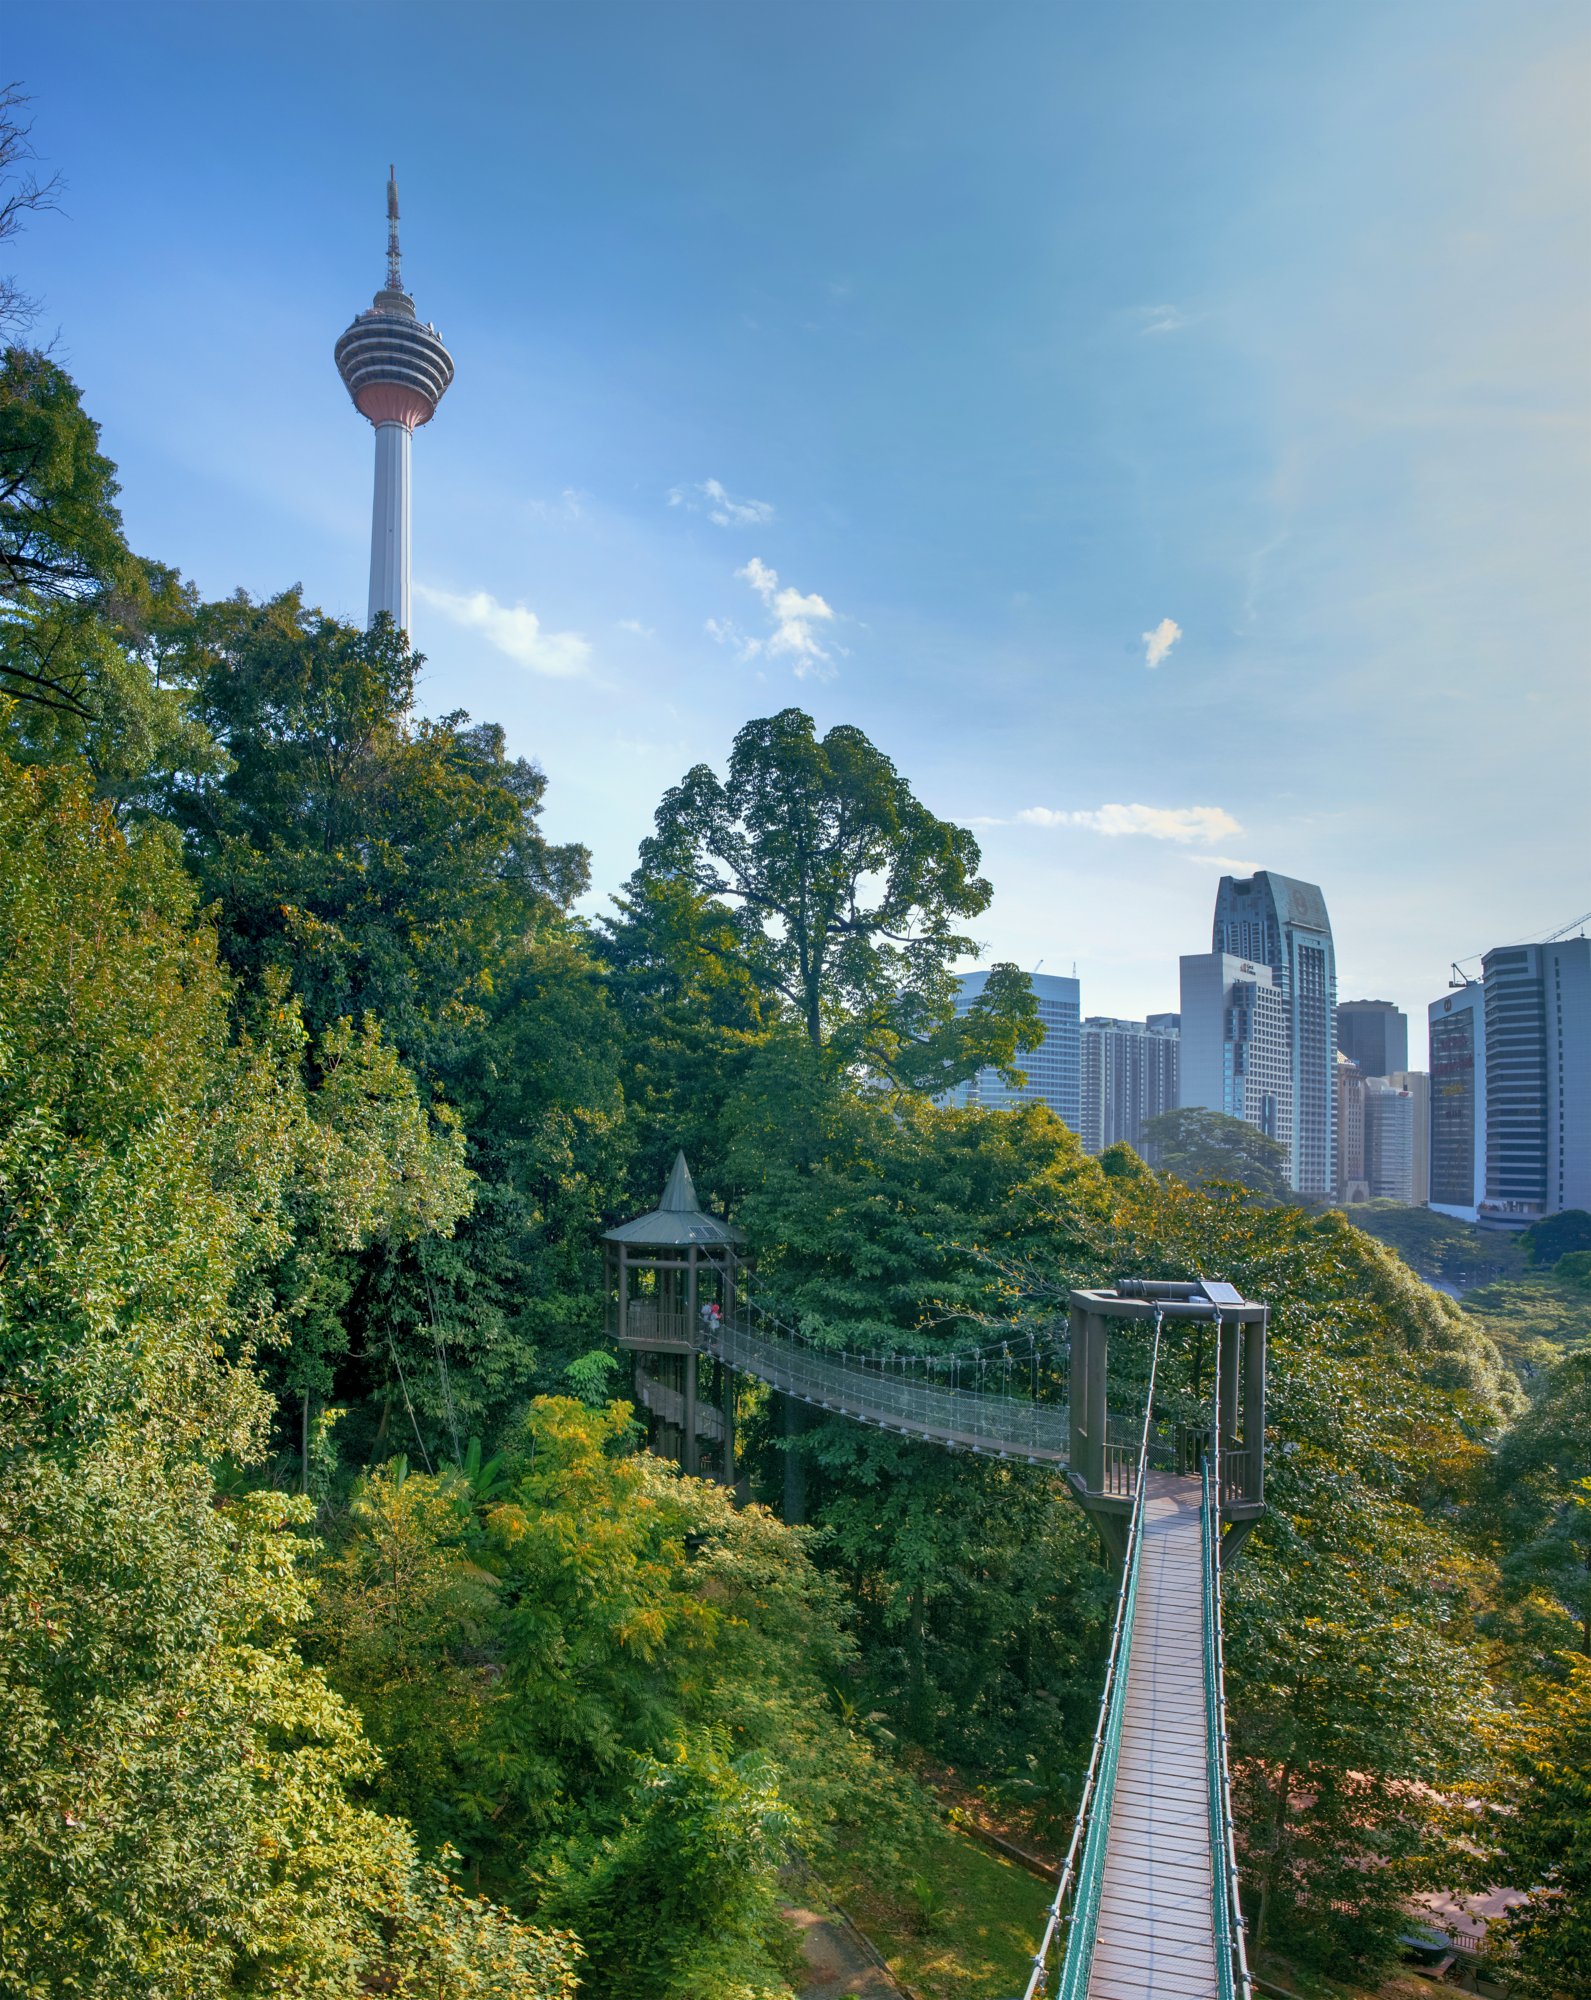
[678, 1220]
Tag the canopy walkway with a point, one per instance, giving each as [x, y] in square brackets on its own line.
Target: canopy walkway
[963, 1419]
[1147, 1906]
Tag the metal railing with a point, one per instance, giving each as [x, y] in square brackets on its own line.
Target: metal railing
[1231, 1957]
[1083, 1880]
[1004, 1426]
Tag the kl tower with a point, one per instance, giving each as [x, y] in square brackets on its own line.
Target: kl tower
[396, 370]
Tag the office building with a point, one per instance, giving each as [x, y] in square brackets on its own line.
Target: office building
[1053, 1069]
[1375, 1034]
[396, 370]
[1274, 921]
[1417, 1083]
[1458, 1102]
[1389, 1140]
[1236, 1054]
[1351, 1182]
[1538, 1081]
[1129, 1075]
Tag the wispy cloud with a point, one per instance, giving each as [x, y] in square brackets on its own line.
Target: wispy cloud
[1160, 641]
[1164, 319]
[794, 619]
[1183, 824]
[514, 630]
[1227, 861]
[714, 500]
[634, 625]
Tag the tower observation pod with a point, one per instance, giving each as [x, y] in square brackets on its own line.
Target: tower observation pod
[397, 371]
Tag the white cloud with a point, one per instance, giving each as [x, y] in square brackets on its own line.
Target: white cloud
[1164, 319]
[1179, 823]
[721, 506]
[634, 625]
[514, 630]
[1160, 641]
[1226, 861]
[794, 619]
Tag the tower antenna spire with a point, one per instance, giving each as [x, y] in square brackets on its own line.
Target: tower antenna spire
[394, 255]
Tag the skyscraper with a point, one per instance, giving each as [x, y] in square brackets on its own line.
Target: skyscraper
[1389, 1140]
[1538, 1080]
[1374, 1034]
[1052, 1069]
[1236, 1056]
[1129, 1074]
[1417, 1082]
[1277, 922]
[1458, 1102]
[1351, 1182]
[397, 371]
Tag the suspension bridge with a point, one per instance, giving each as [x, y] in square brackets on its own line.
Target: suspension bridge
[1173, 1476]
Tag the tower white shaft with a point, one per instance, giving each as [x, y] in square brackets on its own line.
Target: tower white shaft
[396, 371]
[389, 526]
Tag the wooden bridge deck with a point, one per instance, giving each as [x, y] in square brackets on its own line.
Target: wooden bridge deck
[1154, 1939]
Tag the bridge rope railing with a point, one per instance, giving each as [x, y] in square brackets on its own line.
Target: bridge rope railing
[1231, 1955]
[1083, 1871]
[754, 1342]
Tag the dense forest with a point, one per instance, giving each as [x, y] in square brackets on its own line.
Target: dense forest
[353, 1643]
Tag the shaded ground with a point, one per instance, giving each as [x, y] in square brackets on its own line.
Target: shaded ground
[837, 1966]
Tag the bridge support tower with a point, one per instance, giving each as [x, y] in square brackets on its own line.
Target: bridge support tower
[1212, 1327]
[671, 1277]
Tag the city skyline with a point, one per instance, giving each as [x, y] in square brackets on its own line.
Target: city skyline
[727, 439]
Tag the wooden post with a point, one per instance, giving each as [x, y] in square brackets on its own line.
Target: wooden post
[795, 1471]
[1234, 1338]
[624, 1290]
[1096, 1332]
[726, 1404]
[1254, 1409]
[691, 1465]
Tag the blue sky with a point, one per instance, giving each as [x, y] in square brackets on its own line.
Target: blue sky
[1163, 428]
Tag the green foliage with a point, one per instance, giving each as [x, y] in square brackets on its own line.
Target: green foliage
[1557, 1235]
[389, 863]
[681, 1903]
[1537, 1505]
[1440, 1246]
[81, 619]
[843, 892]
[1542, 1836]
[516, 1651]
[1203, 1147]
[174, 1779]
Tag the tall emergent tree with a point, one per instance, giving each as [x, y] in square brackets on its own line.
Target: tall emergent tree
[846, 897]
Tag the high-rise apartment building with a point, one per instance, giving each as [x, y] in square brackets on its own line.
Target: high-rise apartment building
[1375, 1034]
[1389, 1140]
[1538, 1080]
[1053, 1069]
[1458, 1102]
[1351, 1182]
[1236, 1054]
[1417, 1083]
[1274, 921]
[1129, 1074]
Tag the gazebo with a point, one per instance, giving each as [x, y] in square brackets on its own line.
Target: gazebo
[672, 1278]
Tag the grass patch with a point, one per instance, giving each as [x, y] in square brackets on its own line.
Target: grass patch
[966, 1927]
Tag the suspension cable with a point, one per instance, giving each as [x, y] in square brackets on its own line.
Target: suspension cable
[1093, 1808]
[1231, 1953]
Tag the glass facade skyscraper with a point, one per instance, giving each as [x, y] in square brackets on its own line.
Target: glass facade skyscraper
[1129, 1074]
[1458, 1102]
[1053, 1069]
[1374, 1034]
[1275, 921]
